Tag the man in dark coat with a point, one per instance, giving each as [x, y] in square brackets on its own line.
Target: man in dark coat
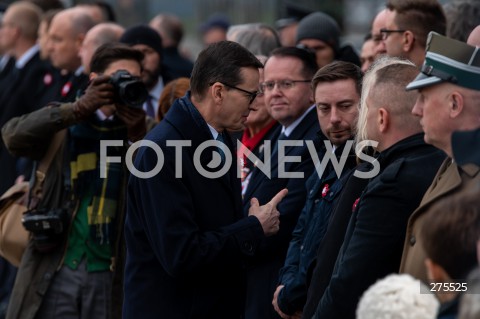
[33, 84]
[373, 241]
[186, 236]
[337, 89]
[289, 98]
[24, 86]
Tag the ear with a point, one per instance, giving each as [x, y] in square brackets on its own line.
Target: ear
[92, 75]
[217, 92]
[79, 40]
[383, 120]
[435, 272]
[456, 104]
[16, 31]
[408, 41]
[312, 97]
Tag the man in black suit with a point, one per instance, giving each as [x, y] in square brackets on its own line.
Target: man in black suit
[373, 242]
[28, 87]
[289, 98]
[186, 235]
[23, 86]
[66, 34]
[6, 61]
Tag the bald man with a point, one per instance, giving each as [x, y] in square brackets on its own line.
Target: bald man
[66, 34]
[170, 29]
[100, 34]
[24, 87]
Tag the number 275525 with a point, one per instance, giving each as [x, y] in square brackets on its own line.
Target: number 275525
[448, 286]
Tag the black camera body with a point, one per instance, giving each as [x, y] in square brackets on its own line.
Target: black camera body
[46, 226]
[129, 90]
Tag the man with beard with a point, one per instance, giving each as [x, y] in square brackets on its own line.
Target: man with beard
[373, 239]
[147, 40]
[337, 88]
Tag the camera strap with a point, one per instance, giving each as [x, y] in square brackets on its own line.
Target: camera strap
[40, 169]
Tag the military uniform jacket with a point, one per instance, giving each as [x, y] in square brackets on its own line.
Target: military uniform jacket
[450, 179]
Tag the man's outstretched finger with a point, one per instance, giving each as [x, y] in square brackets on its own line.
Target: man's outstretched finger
[278, 198]
[254, 202]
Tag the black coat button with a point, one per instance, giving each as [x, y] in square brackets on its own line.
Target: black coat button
[248, 246]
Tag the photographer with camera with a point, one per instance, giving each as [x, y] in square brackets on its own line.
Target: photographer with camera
[68, 269]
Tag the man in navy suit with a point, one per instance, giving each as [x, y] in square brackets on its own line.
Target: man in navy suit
[186, 235]
[289, 98]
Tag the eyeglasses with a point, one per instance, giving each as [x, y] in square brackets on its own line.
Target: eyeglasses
[251, 95]
[386, 32]
[282, 84]
[377, 37]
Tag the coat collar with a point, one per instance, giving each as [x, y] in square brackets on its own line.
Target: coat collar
[404, 147]
[184, 115]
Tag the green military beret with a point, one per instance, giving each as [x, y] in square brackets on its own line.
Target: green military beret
[448, 60]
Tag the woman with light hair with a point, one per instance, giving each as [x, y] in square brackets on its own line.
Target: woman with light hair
[258, 38]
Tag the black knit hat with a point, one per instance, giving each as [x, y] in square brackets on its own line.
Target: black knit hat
[320, 26]
[143, 34]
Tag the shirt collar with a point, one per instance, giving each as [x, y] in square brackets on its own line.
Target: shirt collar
[288, 130]
[157, 90]
[78, 71]
[102, 117]
[27, 56]
[213, 131]
[4, 61]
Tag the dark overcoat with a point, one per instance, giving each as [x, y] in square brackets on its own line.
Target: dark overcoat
[262, 274]
[186, 236]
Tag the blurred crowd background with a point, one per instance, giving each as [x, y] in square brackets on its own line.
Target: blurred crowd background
[353, 16]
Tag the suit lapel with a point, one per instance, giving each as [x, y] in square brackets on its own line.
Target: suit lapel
[297, 134]
[257, 175]
[180, 117]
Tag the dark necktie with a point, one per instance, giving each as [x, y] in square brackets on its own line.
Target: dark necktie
[282, 136]
[150, 109]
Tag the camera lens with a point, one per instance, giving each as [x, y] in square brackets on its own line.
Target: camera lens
[129, 90]
[133, 93]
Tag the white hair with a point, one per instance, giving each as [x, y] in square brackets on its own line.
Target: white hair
[397, 297]
[369, 80]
